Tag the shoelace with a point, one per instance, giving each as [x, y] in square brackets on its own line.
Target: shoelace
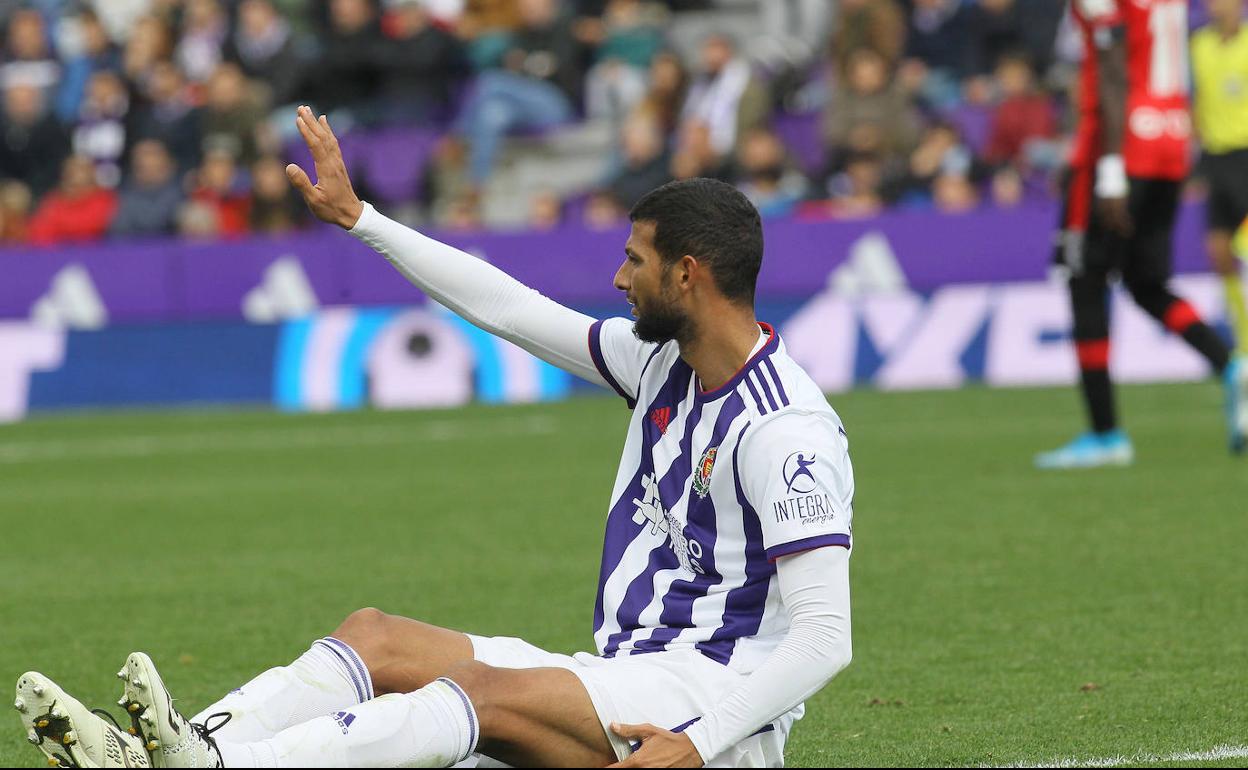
[206, 730]
[107, 715]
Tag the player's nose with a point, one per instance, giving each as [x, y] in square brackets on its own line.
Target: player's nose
[620, 281]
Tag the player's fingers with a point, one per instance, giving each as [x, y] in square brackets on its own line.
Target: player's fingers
[309, 138]
[329, 132]
[633, 732]
[314, 134]
[315, 125]
[299, 179]
[331, 141]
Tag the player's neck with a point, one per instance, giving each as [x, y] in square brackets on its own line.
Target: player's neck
[1228, 28]
[722, 346]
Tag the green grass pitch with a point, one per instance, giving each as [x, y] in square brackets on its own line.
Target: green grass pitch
[1001, 615]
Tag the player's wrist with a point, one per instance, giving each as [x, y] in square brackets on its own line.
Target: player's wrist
[699, 735]
[352, 215]
[1111, 176]
[358, 214]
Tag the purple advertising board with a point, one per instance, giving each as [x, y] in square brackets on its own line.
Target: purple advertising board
[319, 322]
[180, 281]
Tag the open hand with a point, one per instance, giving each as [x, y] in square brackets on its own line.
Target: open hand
[659, 747]
[331, 199]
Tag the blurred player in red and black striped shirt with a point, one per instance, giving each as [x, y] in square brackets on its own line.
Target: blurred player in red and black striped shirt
[1129, 159]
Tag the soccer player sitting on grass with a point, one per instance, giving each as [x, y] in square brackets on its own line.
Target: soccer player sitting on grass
[723, 596]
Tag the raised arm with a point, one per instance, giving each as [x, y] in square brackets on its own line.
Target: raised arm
[472, 288]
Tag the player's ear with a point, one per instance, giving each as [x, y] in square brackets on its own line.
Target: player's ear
[687, 270]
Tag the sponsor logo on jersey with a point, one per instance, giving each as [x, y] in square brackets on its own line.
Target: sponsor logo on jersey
[661, 417]
[702, 475]
[805, 505]
[1151, 124]
[662, 523]
[807, 509]
[798, 477]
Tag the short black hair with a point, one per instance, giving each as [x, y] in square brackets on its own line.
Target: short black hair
[711, 221]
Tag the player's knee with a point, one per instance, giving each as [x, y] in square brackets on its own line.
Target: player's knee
[365, 630]
[363, 622]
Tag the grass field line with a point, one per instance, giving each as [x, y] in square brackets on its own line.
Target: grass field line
[1216, 754]
[269, 440]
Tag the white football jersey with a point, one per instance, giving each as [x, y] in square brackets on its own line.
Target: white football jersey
[713, 487]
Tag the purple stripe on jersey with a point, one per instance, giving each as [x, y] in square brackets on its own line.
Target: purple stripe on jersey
[638, 594]
[807, 544]
[677, 613]
[621, 530]
[600, 363]
[757, 399]
[653, 353]
[718, 649]
[745, 605]
[775, 377]
[763, 386]
[641, 589]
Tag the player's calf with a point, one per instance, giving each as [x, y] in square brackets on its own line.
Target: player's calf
[541, 717]
[401, 654]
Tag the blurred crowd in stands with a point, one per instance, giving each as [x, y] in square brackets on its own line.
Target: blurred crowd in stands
[134, 118]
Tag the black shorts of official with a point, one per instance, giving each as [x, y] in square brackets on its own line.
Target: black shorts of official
[1087, 247]
[1227, 176]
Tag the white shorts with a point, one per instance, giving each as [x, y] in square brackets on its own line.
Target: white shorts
[671, 690]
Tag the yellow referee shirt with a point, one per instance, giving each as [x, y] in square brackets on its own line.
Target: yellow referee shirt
[1220, 71]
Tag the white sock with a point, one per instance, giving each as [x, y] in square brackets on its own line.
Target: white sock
[327, 678]
[436, 726]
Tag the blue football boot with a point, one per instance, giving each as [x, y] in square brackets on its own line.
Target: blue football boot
[1090, 450]
[1235, 380]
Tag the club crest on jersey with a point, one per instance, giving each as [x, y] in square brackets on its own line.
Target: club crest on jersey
[702, 475]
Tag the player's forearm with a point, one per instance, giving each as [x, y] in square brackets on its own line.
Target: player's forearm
[1112, 96]
[814, 587]
[483, 294]
[1111, 176]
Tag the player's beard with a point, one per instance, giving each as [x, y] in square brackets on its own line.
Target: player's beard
[663, 321]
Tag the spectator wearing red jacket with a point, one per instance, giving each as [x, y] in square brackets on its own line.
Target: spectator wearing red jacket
[79, 210]
[1023, 115]
[221, 190]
